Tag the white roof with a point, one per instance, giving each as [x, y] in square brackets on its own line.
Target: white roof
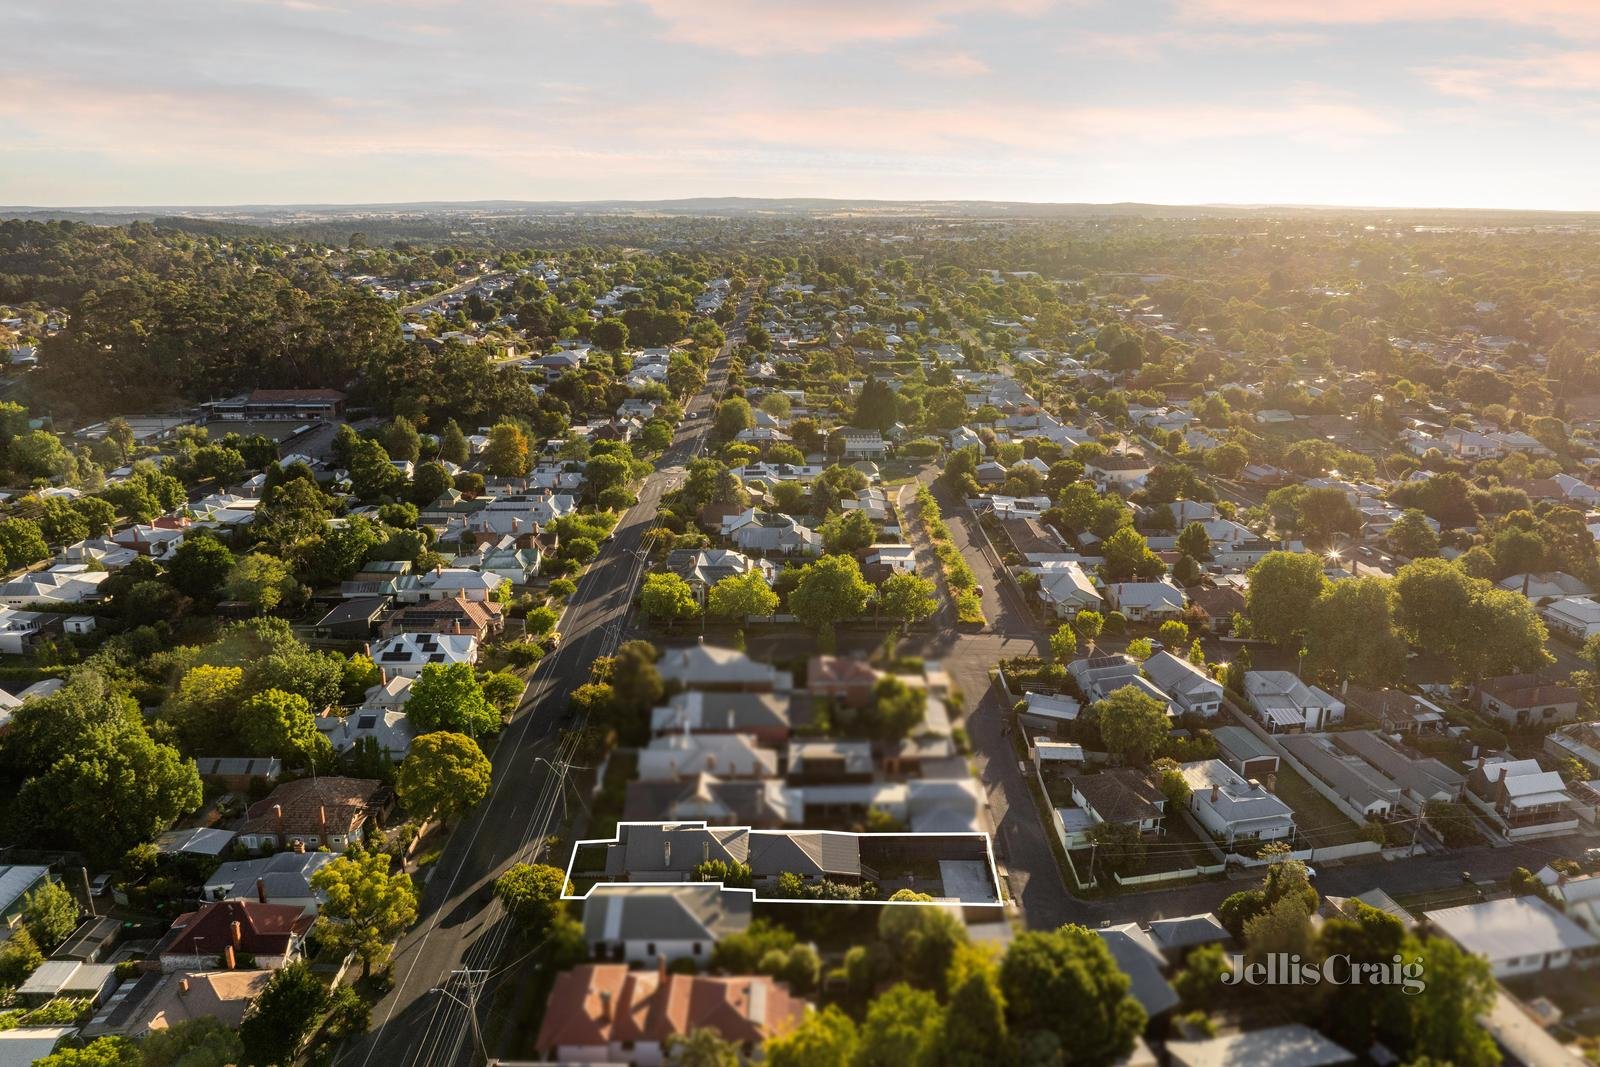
[1290, 1045]
[1513, 927]
[22, 1046]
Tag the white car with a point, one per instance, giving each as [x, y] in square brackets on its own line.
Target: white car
[101, 883]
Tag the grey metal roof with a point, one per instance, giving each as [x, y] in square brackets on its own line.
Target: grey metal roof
[694, 912]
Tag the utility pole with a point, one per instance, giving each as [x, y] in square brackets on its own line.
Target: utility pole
[473, 981]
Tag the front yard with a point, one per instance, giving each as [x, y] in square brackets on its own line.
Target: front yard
[1319, 822]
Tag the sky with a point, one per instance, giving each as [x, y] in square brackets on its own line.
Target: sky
[1427, 103]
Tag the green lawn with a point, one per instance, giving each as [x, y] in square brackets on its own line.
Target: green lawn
[1320, 823]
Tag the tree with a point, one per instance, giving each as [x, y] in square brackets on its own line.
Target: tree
[848, 531]
[1194, 542]
[636, 684]
[1063, 644]
[283, 1015]
[702, 1048]
[367, 905]
[101, 1052]
[372, 476]
[401, 440]
[448, 696]
[19, 957]
[453, 447]
[275, 723]
[1200, 981]
[733, 416]
[1351, 632]
[1141, 648]
[974, 1026]
[1412, 537]
[1443, 1021]
[531, 893]
[61, 522]
[907, 597]
[900, 1029]
[828, 592]
[1284, 586]
[205, 1041]
[507, 453]
[1128, 556]
[1065, 981]
[610, 334]
[897, 708]
[260, 580]
[739, 596]
[1284, 926]
[444, 775]
[50, 914]
[1133, 724]
[922, 942]
[200, 565]
[1089, 623]
[823, 1039]
[1482, 629]
[667, 597]
[430, 481]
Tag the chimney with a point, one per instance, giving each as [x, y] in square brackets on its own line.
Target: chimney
[228, 959]
[666, 853]
[661, 970]
[1216, 793]
[183, 987]
[236, 932]
[299, 845]
[277, 819]
[1255, 785]
[322, 822]
[1272, 782]
[261, 890]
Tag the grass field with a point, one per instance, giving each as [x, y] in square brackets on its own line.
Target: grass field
[1319, 822]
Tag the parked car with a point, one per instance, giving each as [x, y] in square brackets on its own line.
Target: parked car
[101, 883]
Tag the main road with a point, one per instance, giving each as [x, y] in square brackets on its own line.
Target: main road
[449, 959]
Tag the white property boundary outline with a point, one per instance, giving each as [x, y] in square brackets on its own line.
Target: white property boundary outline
[988, 852]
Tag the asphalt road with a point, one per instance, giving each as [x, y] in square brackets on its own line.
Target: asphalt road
[462, 931]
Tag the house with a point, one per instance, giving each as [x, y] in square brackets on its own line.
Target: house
[1244, 752]
[646, 923]
[58, 585]
[685, 755]
[1575, 617]
[1543, 587]
[355, 619]
[1517, 935]
[1233, 809]
[1421, 779]
[890, 559]
[1359, 785]
[703, 568]
[1054, 713]
[1288, 1045]
[1139, 957]
[408, 653]
[1284, 703]
[1177, 936]
[16, 882]
[1524, 798]
[1581, 741]
[1146, 601]
[1118, 470]
[846, 679]
[1190, 688]
[606, 1013]
[273, 934]
[1066, 587]
[1103, 673]
[208, 841]
[764, 716]
[863, 444]
[1396, 711]
[713, 668]
[185, 996]
[303, 405]
[239, 774]
[68, 978]
[389, 729]
[1121, 796]
[817, 760]
[282, 878]
[456, 615]
[1216, 606]
[1524, 699]
[771, 533]
[326, 812]
[873, 501]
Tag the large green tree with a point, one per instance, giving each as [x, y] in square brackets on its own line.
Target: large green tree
[1133, 724]
[444, 775]
[1351, 632]
[1284, 586]
[366, 904]
[1065, 981]
[448, 696]
[828, 592]
[281, 1018]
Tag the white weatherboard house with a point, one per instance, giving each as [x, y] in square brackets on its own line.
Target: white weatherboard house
[1284, 703]
[1518, 935]
[1189, 687]
[1232, 808]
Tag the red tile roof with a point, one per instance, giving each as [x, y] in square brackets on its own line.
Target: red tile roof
[264, 929]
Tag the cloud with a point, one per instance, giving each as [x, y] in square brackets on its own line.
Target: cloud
[944, 64]
[764, 27]
[1575, 17]
[1558, 74]
[1158, 43]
